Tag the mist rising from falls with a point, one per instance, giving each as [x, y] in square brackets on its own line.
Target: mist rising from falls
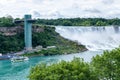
[94, 38]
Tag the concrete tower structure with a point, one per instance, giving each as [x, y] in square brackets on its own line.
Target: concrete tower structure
[28, 32]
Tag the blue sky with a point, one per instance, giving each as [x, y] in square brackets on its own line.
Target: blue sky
[61, 8]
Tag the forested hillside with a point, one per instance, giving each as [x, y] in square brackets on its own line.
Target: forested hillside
[46, 38]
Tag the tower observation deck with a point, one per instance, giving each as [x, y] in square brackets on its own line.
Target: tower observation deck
[27, 31]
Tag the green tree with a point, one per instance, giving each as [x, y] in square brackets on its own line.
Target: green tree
[67, 23]
[107, 65]
[74, 70]
[6, 21]
[100, 23]
[86, 23]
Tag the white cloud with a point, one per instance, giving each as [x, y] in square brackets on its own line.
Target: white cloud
[55, 14]
[108, 1]
[7, 1]
[62, 8]
[35, 13]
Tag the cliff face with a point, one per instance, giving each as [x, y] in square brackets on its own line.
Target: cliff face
[10, 31]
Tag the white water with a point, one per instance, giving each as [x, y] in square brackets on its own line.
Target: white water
[94, 38]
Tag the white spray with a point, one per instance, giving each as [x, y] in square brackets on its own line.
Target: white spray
[94, 38]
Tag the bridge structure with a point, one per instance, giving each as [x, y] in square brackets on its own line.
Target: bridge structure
[27, 31]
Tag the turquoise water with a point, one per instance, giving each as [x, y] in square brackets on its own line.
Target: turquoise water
[20, 70]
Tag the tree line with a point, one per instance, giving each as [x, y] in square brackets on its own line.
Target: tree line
[8, 21]
[79, 22]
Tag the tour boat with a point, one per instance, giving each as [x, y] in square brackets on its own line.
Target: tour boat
[19, 59]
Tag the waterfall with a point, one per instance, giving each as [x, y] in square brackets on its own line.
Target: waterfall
[94, 38]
